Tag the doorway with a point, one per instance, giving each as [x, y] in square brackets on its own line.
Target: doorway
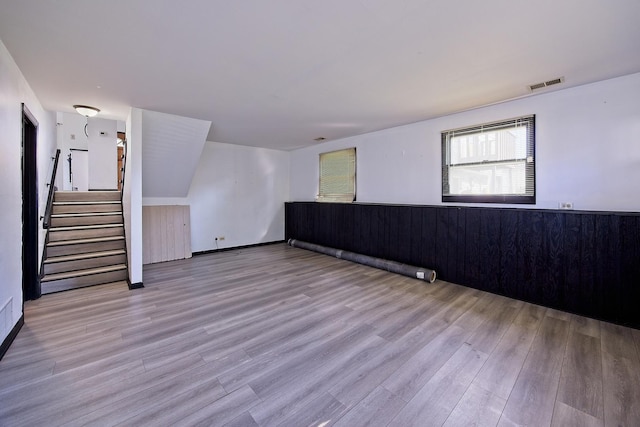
[79, 169]
[121, 142]
[30, 278]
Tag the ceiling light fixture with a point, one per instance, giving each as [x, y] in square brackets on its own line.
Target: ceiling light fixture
[86, 111]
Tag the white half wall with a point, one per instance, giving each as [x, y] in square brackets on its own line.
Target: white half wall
[132, 195]
[237, 193]
[587, 151]
[15, 90]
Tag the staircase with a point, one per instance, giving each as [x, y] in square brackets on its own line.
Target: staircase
[85, 244]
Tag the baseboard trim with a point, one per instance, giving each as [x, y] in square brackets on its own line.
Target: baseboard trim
[12, 336]
[212, 251]
[138, 285]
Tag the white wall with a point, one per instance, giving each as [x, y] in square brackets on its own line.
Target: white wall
[103, 156]
[587, 151]
[132, 195]
[15, 90]
[237, 192]
[102, 141]
[70, 135]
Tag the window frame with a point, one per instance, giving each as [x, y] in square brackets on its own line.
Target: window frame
[350, 160]
[530, 163]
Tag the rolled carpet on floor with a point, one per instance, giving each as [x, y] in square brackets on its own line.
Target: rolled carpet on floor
[420, 273]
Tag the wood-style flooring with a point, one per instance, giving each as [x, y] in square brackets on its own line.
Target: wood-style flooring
[278, 336]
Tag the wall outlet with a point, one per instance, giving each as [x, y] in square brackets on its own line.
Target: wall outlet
[565, 205]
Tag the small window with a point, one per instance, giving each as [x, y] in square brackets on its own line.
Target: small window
[490, 163]
[338, 176]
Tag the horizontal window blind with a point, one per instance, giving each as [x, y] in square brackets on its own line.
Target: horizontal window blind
[492, 162]
[338, 176]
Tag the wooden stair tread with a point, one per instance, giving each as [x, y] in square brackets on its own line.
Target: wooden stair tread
[86, 245]
[53, 287]
[88, 255]
[79, 241]
[88, 202]
[80, 273]
[85, 227]
[85, 214]
[91, 192]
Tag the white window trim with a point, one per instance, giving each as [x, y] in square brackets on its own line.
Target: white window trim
[529, 197]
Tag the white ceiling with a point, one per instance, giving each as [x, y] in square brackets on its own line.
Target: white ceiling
[280, 73]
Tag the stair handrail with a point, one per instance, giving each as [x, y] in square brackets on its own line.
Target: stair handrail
[47, 212]
[124, 167]
[124, 223]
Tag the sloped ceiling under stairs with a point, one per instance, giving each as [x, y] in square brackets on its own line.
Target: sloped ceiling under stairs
[171, 147]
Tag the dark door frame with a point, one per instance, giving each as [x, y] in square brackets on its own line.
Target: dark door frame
[30, 220]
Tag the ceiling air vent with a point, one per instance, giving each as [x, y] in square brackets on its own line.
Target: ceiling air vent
[548, 83]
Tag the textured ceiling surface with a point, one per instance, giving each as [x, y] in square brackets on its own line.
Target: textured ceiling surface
[280, 73]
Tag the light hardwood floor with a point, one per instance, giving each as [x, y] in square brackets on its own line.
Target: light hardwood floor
[274, 335]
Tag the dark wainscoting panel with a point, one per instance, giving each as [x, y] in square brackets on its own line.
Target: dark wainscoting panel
[582, 262]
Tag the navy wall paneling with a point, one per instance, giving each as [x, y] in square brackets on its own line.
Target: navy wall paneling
[583, 262]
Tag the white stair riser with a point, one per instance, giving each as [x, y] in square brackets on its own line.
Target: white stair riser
[65, 266]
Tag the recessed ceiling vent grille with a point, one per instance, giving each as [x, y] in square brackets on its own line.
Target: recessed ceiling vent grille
[548, 83]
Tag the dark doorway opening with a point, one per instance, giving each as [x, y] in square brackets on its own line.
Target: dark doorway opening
[30, 275]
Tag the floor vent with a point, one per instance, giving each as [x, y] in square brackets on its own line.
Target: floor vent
[541, 85]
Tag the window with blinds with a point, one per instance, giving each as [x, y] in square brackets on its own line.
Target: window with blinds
[338, 176]
[490, 163]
